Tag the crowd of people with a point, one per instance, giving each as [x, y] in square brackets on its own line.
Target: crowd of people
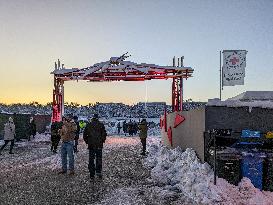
[129, 128]
[68, 131]
[94, 135]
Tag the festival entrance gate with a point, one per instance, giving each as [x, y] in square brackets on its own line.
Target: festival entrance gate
[117, 69]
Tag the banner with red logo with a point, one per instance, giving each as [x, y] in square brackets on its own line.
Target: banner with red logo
[234, 63]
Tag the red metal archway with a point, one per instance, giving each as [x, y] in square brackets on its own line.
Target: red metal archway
[117, 69]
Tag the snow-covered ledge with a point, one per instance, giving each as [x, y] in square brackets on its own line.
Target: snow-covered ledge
[262, 99]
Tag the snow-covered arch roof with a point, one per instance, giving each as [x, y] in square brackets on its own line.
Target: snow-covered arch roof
[117, 69]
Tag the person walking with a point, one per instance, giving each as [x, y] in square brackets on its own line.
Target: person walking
[55, 136]
[67, 133]
[9, 129]
[119, 127]
[94, 136]
[31, 128]
[143, 129]
[77, 134]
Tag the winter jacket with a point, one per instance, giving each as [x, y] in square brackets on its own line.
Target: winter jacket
[55, 127]
[9, 130]
[68, 131]
[125, 127]
[32, 128]
[143, 129]
[94, 134]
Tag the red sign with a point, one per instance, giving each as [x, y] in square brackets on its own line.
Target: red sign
[178, 120]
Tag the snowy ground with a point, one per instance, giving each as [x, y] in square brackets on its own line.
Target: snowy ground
[163, 177]
[30, 176]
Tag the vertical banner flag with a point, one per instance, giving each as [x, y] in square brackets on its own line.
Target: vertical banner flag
[234, 63]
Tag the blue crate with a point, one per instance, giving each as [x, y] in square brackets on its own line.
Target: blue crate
[252, 168]
[250, 133]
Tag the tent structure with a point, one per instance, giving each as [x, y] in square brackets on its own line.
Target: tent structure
[118, 69]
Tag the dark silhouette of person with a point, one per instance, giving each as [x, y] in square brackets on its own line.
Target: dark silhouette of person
[55, 136]
[94, 136]
[125, 127]
[143, 129]
[31, 128]
[119, 127]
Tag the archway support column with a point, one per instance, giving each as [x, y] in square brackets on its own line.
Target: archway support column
[58, 100]
[177, 94]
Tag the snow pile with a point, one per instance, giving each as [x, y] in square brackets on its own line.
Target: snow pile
[254, 95]
[263, 99]
[183, 172]
[244, 193]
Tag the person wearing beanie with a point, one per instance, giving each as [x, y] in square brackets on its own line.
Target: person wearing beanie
[68, 132]
[9, 134]
[94, 136]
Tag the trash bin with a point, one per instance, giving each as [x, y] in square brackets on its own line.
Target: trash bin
[252, 168]
[229, 167]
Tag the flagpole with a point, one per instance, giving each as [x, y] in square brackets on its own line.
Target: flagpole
[222, 84]
[220, 76]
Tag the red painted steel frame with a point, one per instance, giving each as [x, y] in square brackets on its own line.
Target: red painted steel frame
[57, 105]
[118, 73]
[177, 95]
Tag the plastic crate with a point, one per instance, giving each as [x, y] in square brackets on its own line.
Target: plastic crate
[252, 168]
[249, 139]
[250, 133]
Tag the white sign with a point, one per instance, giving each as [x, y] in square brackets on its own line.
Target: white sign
[234, 63]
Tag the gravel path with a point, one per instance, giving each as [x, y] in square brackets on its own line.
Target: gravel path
[30, 177]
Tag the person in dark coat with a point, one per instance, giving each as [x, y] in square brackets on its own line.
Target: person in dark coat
[94, 136]
[9, 135]
[135, 126]
[130, 128]
[143, 129]
[77, 136]
[55, 136]
[125, 127]
[31, 128]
